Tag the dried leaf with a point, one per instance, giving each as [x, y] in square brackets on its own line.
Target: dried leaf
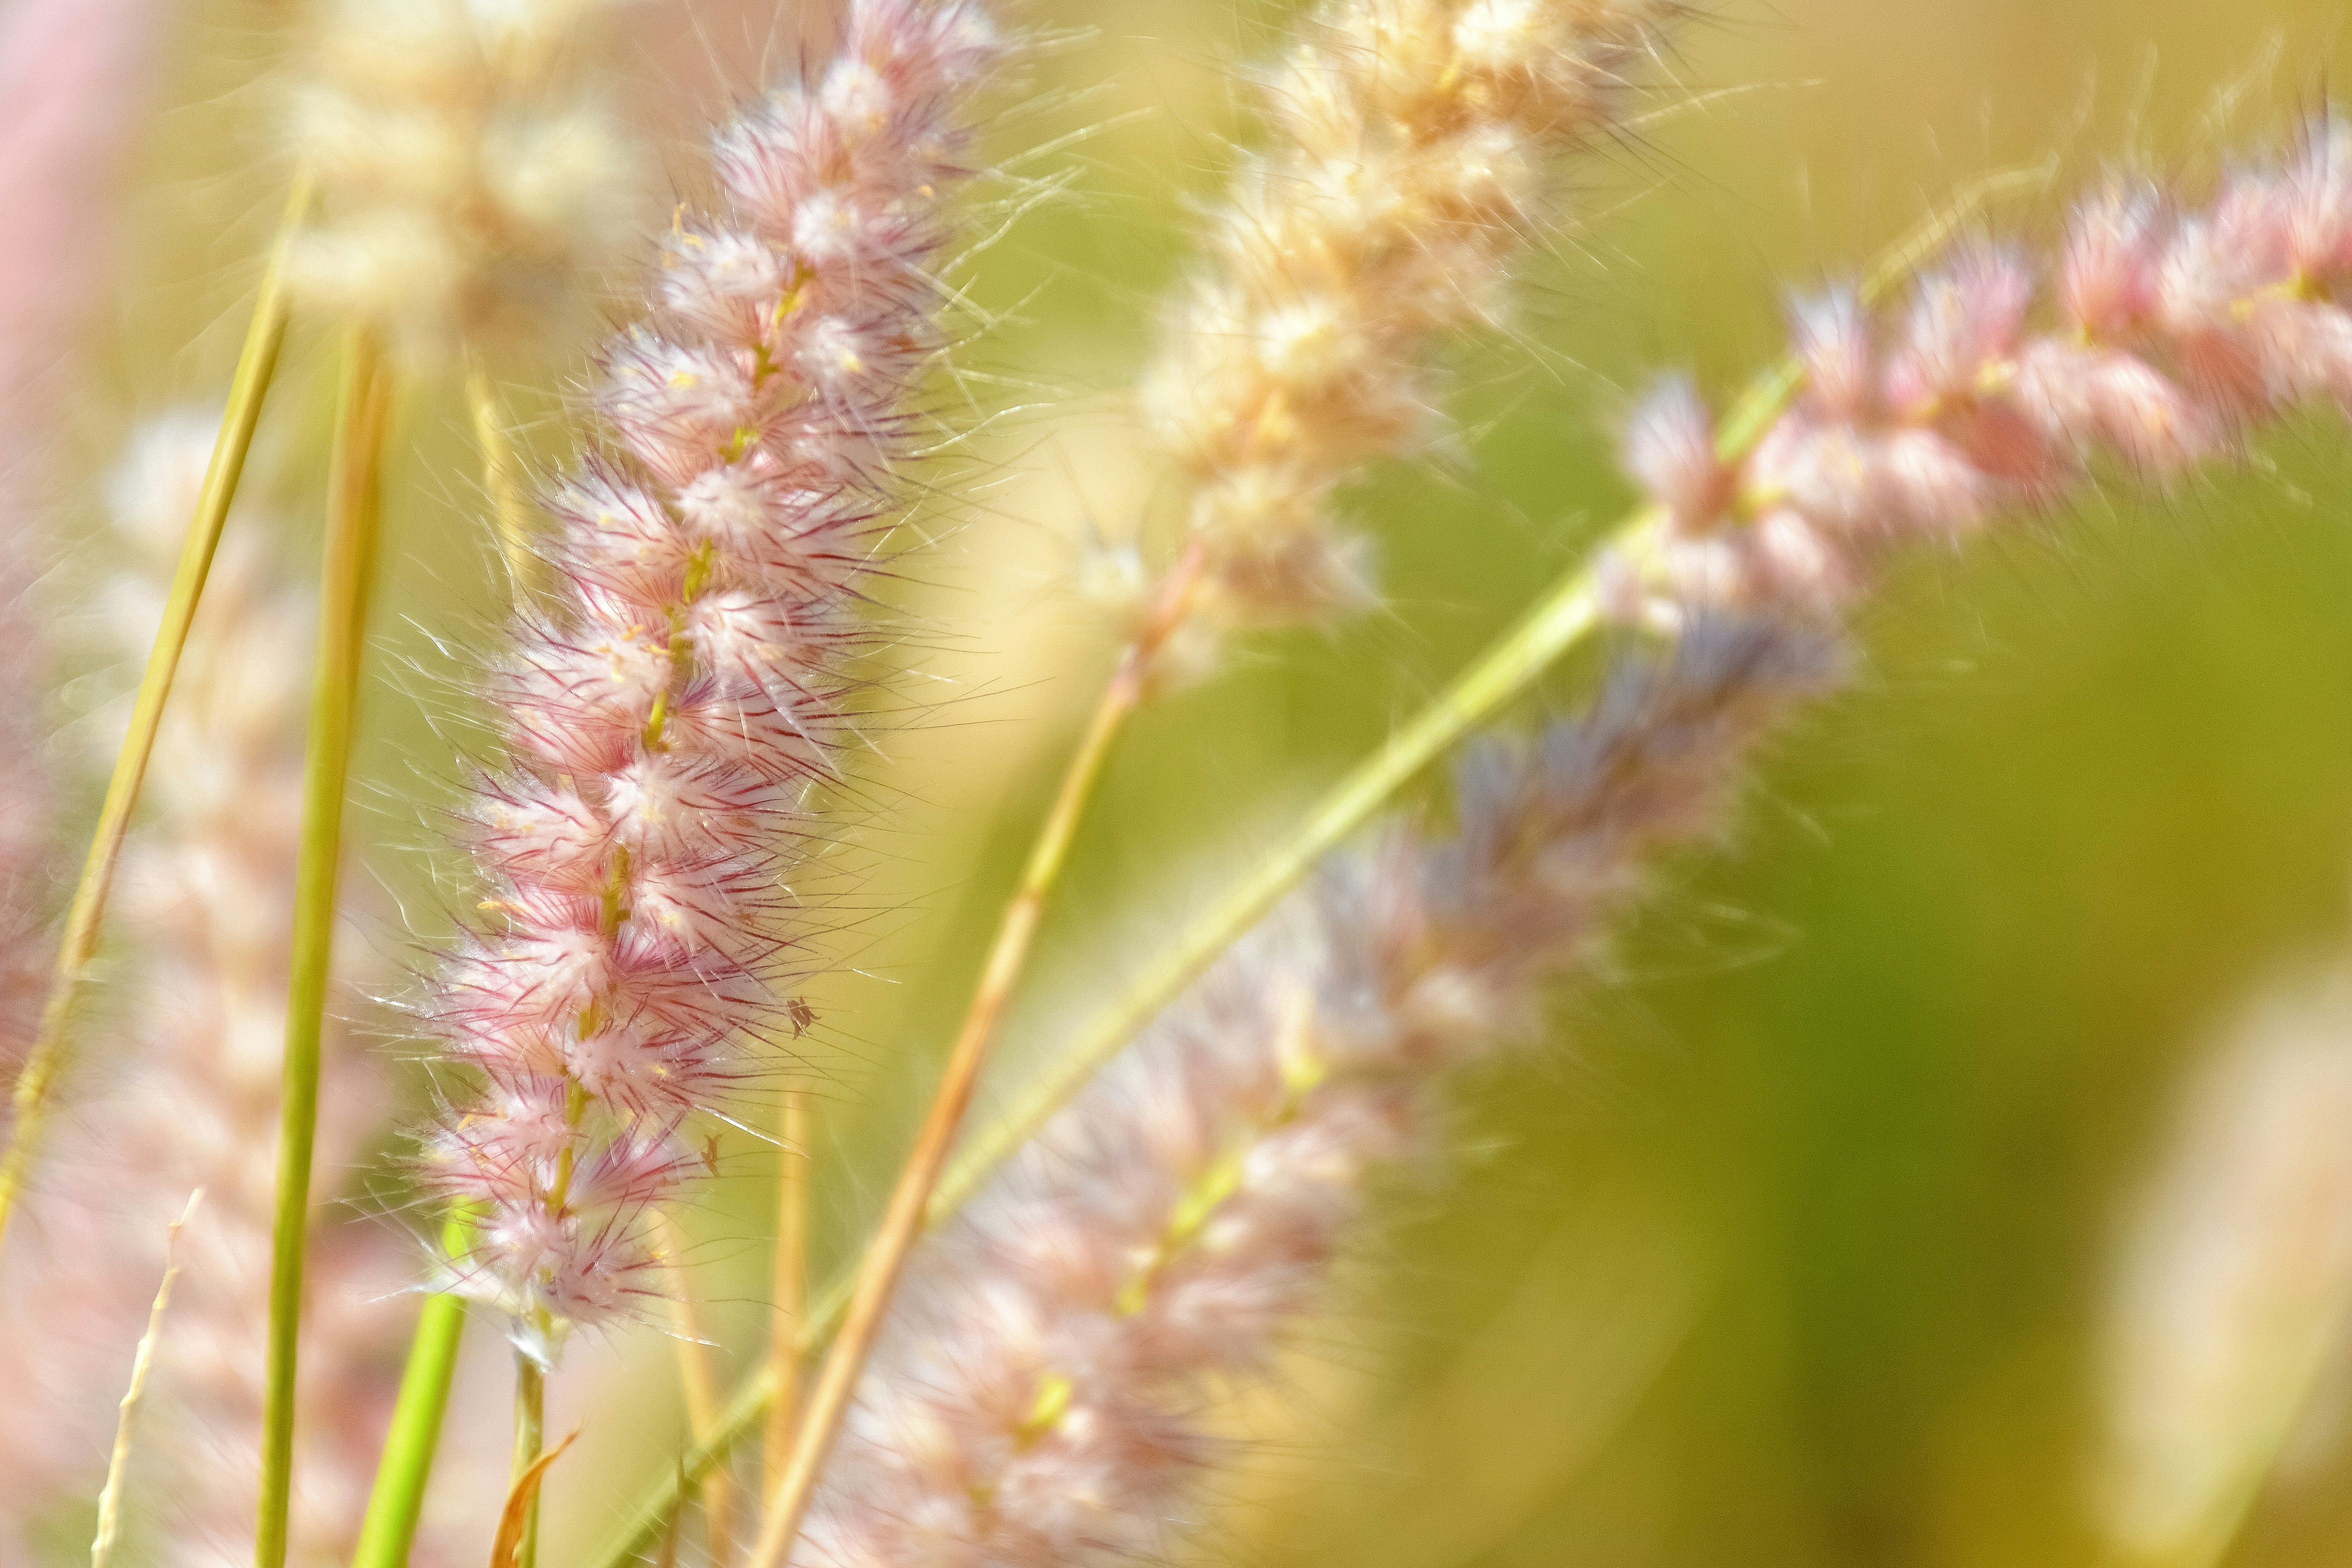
[507, 1548]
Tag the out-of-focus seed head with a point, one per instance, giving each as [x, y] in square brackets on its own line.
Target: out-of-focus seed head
[1405, 181]
[693, 670]
[469, 175]
[2235, 1283]
[1037, 1396]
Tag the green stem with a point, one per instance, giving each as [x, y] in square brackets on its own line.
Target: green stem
[389, 1528]
[352, 511]
[531, 1438]
[1564, 617]
[256, 365]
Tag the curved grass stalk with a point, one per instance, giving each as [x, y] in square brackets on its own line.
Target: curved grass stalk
[355, 509]
[257, 366]
[1562, 619]
[389, 1528]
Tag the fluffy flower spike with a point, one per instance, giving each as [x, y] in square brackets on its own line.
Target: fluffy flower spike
[467, 165]
[1038, 1396]
[2171, 333]
[1407, 174]
[665, 714]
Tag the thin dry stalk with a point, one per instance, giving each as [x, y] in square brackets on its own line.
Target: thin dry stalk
[701, 1385]
[791, 1320]
[903, 1223]
[110, 1498]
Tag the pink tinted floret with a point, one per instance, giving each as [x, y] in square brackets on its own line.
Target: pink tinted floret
[2114, 246]
[1831, 333]
[693, 673]
[2169, 333]
[1961, 321]
[1670, 448]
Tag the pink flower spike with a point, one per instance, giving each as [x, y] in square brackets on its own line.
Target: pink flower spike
[666, 706]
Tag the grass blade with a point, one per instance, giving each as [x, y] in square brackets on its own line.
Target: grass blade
[256, 367]
[519, 1521]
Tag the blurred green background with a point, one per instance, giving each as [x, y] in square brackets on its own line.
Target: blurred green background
[1790, 1248]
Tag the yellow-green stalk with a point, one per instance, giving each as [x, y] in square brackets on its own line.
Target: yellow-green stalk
[353, 512]
[389, 1528]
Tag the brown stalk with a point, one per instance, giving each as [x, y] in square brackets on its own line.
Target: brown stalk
[790, 1288]
[701, 1388]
